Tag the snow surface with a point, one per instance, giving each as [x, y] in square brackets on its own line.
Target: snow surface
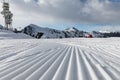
[7, 34]
[23, 58]
[60, 59]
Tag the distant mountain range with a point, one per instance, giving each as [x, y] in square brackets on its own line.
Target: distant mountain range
[40, 32]
[72, 32]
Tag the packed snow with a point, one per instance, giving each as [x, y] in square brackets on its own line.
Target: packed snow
[60, 59]
[8, 34]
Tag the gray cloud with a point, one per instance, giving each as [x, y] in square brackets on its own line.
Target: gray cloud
[65, 11]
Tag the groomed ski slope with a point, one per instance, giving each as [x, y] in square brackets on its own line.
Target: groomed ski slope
[60, 59]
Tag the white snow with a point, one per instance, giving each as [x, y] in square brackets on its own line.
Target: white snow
[71, 29]
[60, 59]
[7, 34]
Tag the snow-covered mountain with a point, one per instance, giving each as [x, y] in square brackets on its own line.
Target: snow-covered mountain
[40, 32]
[105, 34]
[73, 32]
[71, 29]
[97, 34]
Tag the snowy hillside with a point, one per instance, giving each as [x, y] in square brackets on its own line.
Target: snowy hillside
[7, 34]
[60, 59]
[40, 32]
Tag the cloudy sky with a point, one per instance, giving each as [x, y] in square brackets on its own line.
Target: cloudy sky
[60, 14]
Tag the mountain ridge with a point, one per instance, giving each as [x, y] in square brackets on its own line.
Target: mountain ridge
[40, 32]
